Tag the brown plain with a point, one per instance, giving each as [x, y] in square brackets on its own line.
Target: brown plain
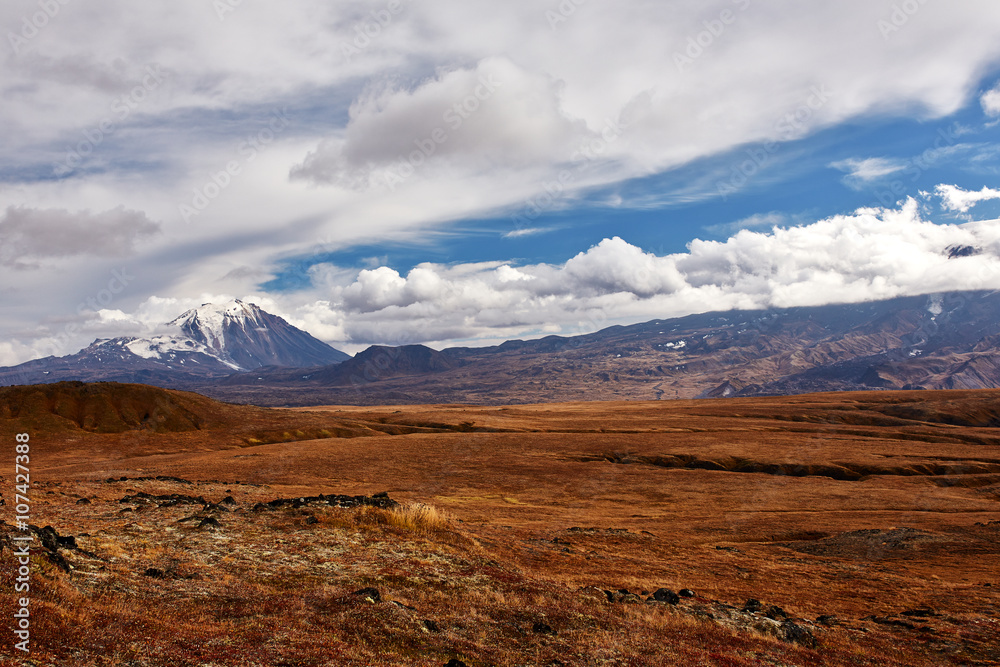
[877, 509]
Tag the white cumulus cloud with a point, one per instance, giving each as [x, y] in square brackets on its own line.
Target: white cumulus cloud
[871, 254]
[956, 199]
[991, 101]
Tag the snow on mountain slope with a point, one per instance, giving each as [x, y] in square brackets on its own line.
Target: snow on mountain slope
[206, 342]
[208, 324]
[167, 347]
[249, 337]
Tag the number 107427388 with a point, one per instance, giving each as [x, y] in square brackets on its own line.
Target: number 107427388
[22, 481]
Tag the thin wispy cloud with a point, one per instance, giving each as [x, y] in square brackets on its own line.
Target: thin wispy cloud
[527, 231]
[861, 172]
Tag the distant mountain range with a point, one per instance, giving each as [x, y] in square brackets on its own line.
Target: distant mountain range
[239, 353]
[213, 341]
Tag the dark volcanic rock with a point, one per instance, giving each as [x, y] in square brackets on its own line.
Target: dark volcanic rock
[622, 596]
[455, 662]
[776, 613]
[52, 540]
[370, 594]
[686, 593]
[170, 500]
[540, 628]
[923, 612]
[211, 507]
[747, 619]
[796, 634]
[666, 595]
[209, 523]
[380, 500]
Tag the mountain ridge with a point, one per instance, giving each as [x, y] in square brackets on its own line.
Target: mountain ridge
[936, 341]
[203, 343]
[923, 342]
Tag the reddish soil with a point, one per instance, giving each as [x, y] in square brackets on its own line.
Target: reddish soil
[879, 509]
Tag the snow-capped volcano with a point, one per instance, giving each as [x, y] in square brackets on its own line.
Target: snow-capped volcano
[208, 323]
[243, 334]
[205, 342]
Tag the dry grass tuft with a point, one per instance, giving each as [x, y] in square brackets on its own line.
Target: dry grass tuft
[419, 518]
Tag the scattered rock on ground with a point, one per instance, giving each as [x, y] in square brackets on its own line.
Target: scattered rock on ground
[368, 594]
[52, 542]
[210, 523]
[622, 596]
[666, 595]
[796, 634]
[540, 628]
[169, 500]
[380, 500]
[776, 613]
[923, 612]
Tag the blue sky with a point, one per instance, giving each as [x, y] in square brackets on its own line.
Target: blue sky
[805, 180]
[470, 171]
